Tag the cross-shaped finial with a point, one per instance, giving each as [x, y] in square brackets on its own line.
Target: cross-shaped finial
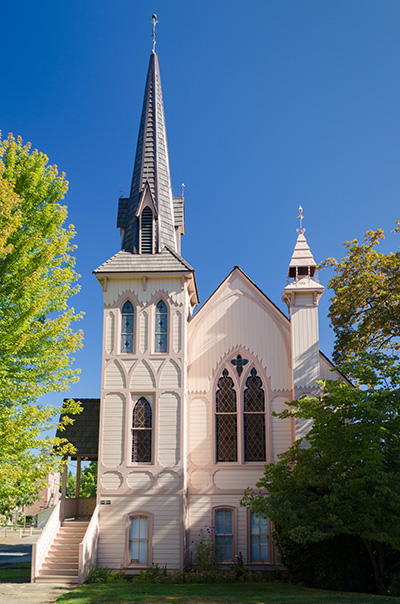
[154, 18]
[300, 217]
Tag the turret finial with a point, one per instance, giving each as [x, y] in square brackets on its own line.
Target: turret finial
[183, 189]
[300, 217]
[154, 19]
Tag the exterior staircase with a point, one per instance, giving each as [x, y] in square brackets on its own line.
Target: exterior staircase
[61, 564]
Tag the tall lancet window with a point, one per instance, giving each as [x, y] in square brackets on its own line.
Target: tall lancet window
[127, 327]
[146, 231]
[226, 419]
[161, 327]
[141, 431]
[254, 419]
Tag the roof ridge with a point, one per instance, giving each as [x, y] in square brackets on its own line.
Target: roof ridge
[178, 257]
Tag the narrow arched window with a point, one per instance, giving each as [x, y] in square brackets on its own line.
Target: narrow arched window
[254, 419]
[161, 327]
[147, 231]
[127, 327]
[224, 522]
[226, 419]
[139, 540]
[141, 431]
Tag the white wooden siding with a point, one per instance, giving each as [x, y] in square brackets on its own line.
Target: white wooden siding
[140, 480]
[168, 480]
[113, 535]
[114, 376]
[281, 429]
[305, 346]
[110, 327]
[144, 328]
[170, 375]
[113, 430]
[233, 318]
[237, 478]
[169, 429]
[177, 331]
[199, 479]
[142, 377]
[198, 439]
[116, 287]
[128, 364]
[111, 480]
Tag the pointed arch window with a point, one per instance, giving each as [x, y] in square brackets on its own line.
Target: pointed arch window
[127, 327]
[161, 327]
[141, 431]
[254, 418]
[226, 419]
[146, 231]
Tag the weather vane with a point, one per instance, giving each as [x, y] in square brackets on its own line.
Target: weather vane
[300, 217]
[154, 17]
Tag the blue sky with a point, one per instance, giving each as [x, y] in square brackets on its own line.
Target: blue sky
[269, 104]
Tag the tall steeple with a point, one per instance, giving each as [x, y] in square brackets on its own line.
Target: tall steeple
[151, 181]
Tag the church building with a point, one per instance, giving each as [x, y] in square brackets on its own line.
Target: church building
[187, 397]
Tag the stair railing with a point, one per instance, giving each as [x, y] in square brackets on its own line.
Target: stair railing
[88, 546]
[41, 547]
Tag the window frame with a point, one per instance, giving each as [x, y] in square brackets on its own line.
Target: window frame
[239, 385]
[127, 333]
[233, 511]
[249, 541]
[168, 327]
[129, 518]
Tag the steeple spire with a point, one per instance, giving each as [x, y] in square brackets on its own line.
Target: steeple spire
[151, 181]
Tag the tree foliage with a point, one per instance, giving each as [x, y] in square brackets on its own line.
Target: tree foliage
[365, 307]
[37, 277]
[346, 480]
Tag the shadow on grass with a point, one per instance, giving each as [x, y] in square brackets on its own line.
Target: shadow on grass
[246, 593]
[15, 573]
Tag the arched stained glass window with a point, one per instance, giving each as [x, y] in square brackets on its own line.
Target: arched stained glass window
[127, 327]
[147, 231]
[141, 431]
[226, 419]
[161, 327]
[254, 419]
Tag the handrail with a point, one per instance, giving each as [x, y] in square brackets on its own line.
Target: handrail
[43, 544]
[88, 546]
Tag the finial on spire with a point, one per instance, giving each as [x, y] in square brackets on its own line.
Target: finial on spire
[154, 18]
[183, 189]
[300, 217]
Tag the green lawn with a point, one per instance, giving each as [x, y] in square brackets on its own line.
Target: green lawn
[15, 573]
[251, 593]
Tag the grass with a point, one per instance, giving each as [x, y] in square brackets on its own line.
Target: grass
[246, 593]
[15, 573]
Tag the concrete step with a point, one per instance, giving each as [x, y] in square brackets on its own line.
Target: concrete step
[60, 565]
[69, 548]
[56, 579]
[58, 573]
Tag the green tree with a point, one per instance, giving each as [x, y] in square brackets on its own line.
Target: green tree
[89, 480]
[71, 484]
[37, 278]
[346, 479]
[365, 307]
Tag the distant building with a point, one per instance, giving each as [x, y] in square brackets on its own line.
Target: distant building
[47, 497]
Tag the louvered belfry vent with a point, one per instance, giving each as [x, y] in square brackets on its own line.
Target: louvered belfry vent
[147, 231]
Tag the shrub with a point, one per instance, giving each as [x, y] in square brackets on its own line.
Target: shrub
[207, 553]
[103, 575]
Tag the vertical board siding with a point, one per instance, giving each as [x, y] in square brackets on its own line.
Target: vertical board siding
[113, 535]
[238, 319]
[169, 429]
[281, 429]
[177, 331]
[114, 376]
[110, 328]
[113, 430]
[142, 377]
[117, 287]
[144, 326]
[305, 346]
[199, 445]
[170, 376]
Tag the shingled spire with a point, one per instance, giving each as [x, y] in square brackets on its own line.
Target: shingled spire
[151, 181]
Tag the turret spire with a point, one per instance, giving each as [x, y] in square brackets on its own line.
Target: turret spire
[151, 181]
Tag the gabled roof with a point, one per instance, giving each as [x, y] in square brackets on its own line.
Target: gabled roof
[152, 165]
[126, 262]
[84, 432]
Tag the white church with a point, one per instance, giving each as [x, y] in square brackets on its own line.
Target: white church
[185, 420]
